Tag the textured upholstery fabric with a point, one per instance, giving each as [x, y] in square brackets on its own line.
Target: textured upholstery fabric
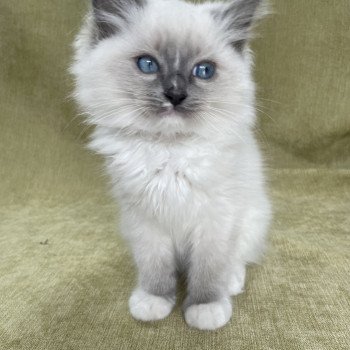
[65, 275]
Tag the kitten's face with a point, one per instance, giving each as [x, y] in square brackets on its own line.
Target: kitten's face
[165, 67]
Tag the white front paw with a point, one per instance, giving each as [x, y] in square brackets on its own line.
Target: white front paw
[147, 307]
[209, 316]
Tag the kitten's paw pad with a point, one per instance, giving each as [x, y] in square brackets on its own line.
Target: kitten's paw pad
[236, 285]
[147, 307]
[209, 316]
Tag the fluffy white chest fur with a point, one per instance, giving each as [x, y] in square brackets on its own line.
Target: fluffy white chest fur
[181, 181]
[174, 112]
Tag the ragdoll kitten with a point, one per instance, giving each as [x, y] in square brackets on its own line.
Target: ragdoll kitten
[168, 86]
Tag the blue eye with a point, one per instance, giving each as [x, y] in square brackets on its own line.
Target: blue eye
[147, 65]
[204, 70]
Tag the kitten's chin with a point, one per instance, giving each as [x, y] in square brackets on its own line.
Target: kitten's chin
[169, 114]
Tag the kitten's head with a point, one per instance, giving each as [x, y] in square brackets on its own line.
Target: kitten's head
[167, 66]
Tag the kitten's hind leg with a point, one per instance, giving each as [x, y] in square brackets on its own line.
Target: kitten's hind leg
[249, 245]
[237, 280]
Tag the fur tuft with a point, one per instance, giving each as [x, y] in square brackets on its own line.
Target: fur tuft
[112, 15]
[238, 19]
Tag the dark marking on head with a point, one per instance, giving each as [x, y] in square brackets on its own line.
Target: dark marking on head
[174, 82]
[102, 9]
[239, 17]
[175, 74]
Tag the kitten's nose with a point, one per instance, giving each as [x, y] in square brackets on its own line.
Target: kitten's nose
[175, 96]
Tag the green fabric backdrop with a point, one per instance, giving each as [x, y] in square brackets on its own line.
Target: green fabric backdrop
[65, 275]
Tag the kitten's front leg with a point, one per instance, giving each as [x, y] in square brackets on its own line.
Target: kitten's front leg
[154, 297]
[208, 305]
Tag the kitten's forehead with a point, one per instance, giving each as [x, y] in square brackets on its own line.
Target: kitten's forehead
[175, 56]
[179, 35]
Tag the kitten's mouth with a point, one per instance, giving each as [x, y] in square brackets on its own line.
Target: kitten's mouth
[170, 111]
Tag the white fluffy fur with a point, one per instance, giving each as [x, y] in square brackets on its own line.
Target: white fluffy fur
[180, 182]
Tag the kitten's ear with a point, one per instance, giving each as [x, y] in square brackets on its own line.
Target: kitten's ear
[237, 17]
[112, 15]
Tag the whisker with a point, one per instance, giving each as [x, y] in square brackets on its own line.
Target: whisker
[103, 117]
[234, 132]
[242, 105]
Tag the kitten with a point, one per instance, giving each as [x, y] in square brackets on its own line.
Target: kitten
[168, 86]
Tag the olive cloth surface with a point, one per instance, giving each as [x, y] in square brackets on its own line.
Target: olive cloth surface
[65, 275]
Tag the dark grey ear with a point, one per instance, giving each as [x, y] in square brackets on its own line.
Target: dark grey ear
[238, 17]
[112, 15]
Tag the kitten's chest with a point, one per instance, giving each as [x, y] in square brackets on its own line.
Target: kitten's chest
[163, 177]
